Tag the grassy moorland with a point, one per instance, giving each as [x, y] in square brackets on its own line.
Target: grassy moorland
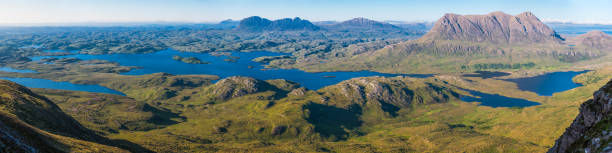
[176, 113]
[242, 114]
[193, 113]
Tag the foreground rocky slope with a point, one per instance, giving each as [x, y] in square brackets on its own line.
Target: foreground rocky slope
[591, 130]
[32, 123]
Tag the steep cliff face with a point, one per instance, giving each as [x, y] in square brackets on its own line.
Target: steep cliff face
[592, 129]
[495, 27]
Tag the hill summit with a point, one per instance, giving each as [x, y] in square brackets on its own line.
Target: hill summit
[594, 39]
[497, 27]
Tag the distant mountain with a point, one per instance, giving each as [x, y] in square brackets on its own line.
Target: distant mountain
[496, 27]
[424, 26]
[366, 23]
[362, 24]
[256, 23]
[324, 23]
[229, 23]
[459, 43]
[593, 39]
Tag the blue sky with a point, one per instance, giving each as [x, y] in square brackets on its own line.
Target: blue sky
[83, 11]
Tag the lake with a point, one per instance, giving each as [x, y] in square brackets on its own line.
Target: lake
[495, 100]
[243, 66]
[487, 74]
[549, 83]
[8, 69]
[44, 83]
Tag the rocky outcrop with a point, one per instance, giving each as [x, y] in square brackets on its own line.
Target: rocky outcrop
[386, 94]
[496, 27]
[256, 23]
[298, 92]
[591, 130]
[593, 39]
[233, 87]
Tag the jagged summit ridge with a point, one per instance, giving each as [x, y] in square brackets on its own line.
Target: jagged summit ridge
[497, 27]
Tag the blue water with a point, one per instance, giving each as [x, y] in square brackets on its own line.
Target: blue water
[547, 84]
[44, 83]
[61, 51]
[576, 29]
[486, 74]
[32, 46]
[162, 62]
[495, 100]
[8, 69]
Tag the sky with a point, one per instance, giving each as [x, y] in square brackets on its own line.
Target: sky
[27, 12]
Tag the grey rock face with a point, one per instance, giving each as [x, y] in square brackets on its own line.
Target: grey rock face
[237, 86]
[495, 27]
[588, 130]
[298, 92]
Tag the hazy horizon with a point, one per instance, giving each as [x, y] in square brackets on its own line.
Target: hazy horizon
[113, 12]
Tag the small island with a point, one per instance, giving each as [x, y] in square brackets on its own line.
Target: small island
[189, 60]
[267, 59]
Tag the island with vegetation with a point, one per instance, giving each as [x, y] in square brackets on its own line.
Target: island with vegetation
[188, 60]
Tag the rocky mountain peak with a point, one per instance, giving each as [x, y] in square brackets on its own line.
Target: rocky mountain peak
[496, 27]
[254, 23]
[593, 39]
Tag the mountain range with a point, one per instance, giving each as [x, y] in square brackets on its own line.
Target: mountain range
[495, 27]
[362, 24]
[459, 43]
[256, 23]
